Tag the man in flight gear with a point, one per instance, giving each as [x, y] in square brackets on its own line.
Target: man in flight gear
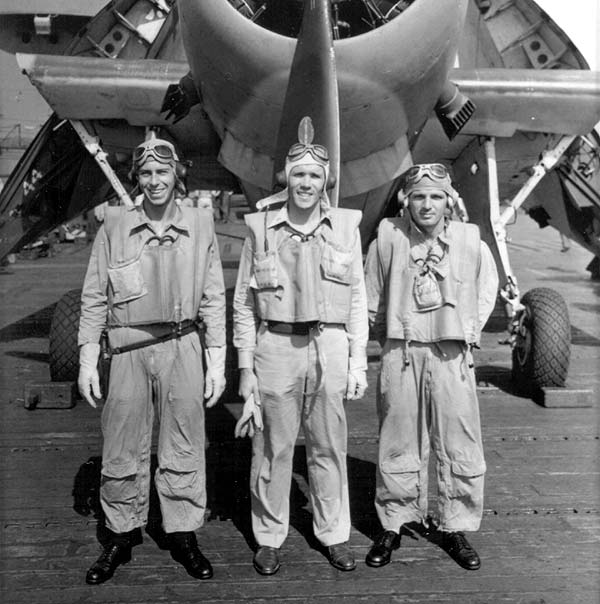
[301, 330]
[154, 285]
[431, 286]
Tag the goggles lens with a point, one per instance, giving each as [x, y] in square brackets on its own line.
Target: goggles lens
[299, 149]
[434, 171]
[159, 150]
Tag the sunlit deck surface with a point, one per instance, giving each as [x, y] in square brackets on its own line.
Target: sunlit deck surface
[539, 539]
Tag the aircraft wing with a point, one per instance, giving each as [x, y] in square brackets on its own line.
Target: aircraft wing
[564, 101]
[507, 100]
[86, 88]
[527, 111]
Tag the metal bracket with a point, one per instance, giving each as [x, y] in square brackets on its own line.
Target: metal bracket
[100, 156]
[510, 292]
[546, 162]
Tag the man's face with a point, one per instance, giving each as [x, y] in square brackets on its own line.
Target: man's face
[427, 207]
[157, 181]
[305, 184]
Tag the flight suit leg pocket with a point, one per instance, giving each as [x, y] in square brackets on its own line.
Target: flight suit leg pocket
[401, 476]
[465, 473]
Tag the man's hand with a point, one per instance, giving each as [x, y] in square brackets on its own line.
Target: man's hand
[88, 379]
[356, 384]
[214, 380]
[248, 385]
[251, 419]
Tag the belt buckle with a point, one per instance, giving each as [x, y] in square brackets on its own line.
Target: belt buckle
[178, 329]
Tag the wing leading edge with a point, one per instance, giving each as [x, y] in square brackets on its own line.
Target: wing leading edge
[86, 88]
[507, 100]
[558, 101]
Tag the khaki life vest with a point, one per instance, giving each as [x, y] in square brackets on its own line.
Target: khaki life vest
[274, 286]
[151, 279]
[457, 318]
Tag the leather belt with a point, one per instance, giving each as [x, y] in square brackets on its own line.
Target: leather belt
[177, 330]
[299, 329]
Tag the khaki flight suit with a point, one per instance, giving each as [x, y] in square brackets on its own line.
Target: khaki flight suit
[428, 306]
[288, 278]
[138, 285]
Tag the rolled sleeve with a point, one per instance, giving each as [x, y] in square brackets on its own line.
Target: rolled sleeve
[212, 303]
[94, 299]
[358, 324]
[244, 311]
[374, 283]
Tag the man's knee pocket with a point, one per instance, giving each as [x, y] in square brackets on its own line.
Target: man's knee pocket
[464, 475]
[403, 471]
[180, 475]
[119, 479]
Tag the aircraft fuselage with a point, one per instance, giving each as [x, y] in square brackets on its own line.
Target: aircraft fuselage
[389, 80]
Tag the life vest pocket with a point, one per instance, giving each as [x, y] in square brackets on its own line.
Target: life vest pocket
[336, 263]
[127, 281]
[427, 292]
[264, 266]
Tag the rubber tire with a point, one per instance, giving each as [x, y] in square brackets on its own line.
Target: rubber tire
[545, 362]
[63, 349]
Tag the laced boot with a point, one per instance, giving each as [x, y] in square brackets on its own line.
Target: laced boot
[184, 549]
[460, 550]
[380, 553]
[117, 551]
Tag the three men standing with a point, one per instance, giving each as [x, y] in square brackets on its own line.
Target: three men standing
[431, 286]
[301, 330]
[154, 283]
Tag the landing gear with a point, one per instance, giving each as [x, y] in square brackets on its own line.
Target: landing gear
[540, 330]
[541, 339]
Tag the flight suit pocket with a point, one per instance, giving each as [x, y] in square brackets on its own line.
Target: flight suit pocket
[124, 469]
[465, 473]
[127, 281]
[182, 463]
[401, 464]
[265, 270]
[401, 475]
[336, 263]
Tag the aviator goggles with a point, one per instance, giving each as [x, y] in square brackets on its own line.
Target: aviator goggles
[160, 150]
[434, 171]
[298, 150]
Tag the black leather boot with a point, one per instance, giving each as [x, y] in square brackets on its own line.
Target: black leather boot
[460, 550]
[116, 551]
[380, 553]
[184, 549]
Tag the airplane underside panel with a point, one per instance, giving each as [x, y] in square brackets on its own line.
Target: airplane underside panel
[568, 198]
[55, 180]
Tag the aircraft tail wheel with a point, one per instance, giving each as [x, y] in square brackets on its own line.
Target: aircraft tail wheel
[542, 349]
[63, 349]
